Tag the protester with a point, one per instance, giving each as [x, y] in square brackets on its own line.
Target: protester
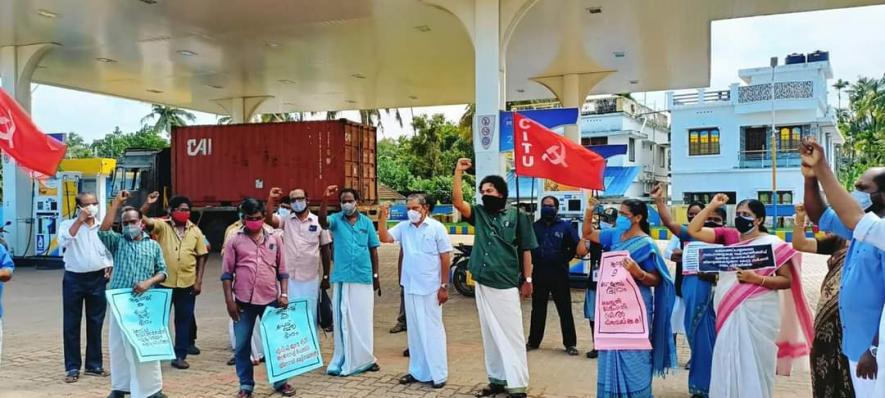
[254, 278]
[830, 371]
[6, 269]
[354, 276]
[755, 337]
[557, 243]
[305, 243]
[586, 247]
[138, 265]
[501, 252]
[427, 255]
[257, 354]
[185, 254]
[862, 292]
[628, 373]
[87, 269]
[698, 319]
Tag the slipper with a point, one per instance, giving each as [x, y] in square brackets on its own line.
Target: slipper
[97, 373]
[72, 378]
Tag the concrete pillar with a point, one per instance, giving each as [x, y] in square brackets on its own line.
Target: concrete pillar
[572, 98]
[490, 81]
[241, 109]
[17, 65]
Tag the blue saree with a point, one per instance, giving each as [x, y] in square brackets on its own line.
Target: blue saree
[700, 329]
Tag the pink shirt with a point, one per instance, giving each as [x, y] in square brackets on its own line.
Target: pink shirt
[301, 243]
[254, 267]
[727, 236]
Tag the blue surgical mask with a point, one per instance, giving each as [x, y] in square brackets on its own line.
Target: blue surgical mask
[623, 223]
[131, 231]
[863, 199]
[349, 208]
[283, 212]
[298, 206]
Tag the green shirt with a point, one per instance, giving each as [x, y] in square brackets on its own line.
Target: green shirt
[134, 260]
[498, 245]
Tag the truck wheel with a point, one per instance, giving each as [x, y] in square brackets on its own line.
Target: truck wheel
[460, 279]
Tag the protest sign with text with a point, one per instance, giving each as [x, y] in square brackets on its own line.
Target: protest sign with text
[621, 317]
[691, 256]
[735, 258]
[290, 341]
[144, 319]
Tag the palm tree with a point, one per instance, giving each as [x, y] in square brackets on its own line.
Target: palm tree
[465, 124]
[331, 115]
[168, 117]
[839, 85]
[274, 117]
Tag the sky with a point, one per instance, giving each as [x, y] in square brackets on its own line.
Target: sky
[854, 37]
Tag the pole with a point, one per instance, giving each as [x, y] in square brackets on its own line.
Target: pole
[774, 195]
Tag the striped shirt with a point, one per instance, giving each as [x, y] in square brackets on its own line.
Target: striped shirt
[134, 260]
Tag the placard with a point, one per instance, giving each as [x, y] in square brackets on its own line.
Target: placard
[144, 320]
[735, 258]
[290, 342]
[621, 317]
[690, 256]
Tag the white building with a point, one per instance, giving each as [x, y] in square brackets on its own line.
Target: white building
[722, 139]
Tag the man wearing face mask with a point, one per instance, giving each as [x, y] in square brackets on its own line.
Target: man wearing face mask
[502, 247]
[185, 253]
[87, 269]
[138, 265]
[305, 243]
[862, 290]
[557, 240]
[354, 276]
[427, 254]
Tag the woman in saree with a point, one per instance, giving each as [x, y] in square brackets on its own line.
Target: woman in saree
[758, 333]
[830, 371]
[628, 373]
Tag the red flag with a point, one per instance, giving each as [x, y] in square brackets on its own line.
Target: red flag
[542, 153]
[24, 142]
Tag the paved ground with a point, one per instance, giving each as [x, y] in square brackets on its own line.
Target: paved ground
[32, 364]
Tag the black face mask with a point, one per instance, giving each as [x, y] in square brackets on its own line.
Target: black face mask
[690, 219]
[711, 224]
[493, 204]
[743, 225]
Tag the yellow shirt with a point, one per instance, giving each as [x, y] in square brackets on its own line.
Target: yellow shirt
[180, 253]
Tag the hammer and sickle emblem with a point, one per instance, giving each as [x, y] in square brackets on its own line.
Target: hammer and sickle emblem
[556, 155]
[7, 129]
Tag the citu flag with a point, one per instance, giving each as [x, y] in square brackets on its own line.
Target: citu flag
[24, 142]
[542, 153]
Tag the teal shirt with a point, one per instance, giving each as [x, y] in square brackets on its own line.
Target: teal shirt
[498, 244]
[5, 262]
[353, 261]
[134, 260]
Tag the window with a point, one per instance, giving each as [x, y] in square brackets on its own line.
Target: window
[783, 197]
[705, 197]
[703, 141]
[662, 155]
[598, 140]
[789, 137]
[757, 139]
[631, 150]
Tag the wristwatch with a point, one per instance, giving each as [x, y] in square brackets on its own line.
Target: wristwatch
[528, 280]
[375, 276]
[444, 286]
[874, 350]
[325, 276]
[284, 295]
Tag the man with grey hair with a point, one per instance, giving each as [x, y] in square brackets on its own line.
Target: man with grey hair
[426, 252]
[87, 269]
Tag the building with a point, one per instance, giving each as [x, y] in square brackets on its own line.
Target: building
[722, 139]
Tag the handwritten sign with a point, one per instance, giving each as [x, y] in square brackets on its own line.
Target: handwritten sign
[290, 341]
[734, 258]
[621, 317]
[144, 320]
[691, 257]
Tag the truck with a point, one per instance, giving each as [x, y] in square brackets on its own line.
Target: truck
[216, 166]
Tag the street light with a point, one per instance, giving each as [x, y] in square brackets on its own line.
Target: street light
[774, 195]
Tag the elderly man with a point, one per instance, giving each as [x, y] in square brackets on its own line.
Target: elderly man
[501, 253]
[87, 269]
[185, 253]
[139, 265]
[427, 255]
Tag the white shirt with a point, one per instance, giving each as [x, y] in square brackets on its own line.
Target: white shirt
[83, 252]
[871, 229]
[422, 246]
[301, 244]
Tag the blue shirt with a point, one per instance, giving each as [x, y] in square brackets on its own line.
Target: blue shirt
[556, 247]
[5, 262]
[862, 293]
[353, 262]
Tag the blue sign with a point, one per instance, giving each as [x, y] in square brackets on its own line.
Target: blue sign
[549, 118]
[144, 320]
[290, 341]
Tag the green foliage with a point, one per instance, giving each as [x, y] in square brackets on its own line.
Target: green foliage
[863, 125]
[425, 162]
[114, 144]
[77, 147]
[168, 117]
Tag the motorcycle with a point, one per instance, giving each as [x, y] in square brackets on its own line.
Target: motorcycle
[460, 275]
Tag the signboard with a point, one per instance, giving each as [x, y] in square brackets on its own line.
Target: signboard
[621, 317]
[690, 256]
[290, 342]
[735, 258]
[485, 126]
[549, 118]
[144, 320]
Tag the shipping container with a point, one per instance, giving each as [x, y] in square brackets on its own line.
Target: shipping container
[218, 165]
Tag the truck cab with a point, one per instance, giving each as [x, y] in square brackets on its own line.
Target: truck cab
[142, 171]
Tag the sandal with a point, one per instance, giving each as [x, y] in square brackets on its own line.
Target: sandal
[491, 389]
[286, 390]
[408, 379]
[97, 373]
[72, 377]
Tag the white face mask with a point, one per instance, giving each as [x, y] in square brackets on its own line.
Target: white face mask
[863, 199]
[91, 209]
[298, 206]
[414, 216]
[349, 208]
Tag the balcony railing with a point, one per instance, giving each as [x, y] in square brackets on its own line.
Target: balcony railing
[782, 90]
[698, 97]
[761, 159]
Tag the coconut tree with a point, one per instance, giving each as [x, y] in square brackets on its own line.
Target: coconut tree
[839, 85]
[168, 117]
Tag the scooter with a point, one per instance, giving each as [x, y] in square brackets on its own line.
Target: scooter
[460, 276]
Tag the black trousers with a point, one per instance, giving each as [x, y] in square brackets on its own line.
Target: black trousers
[79, 289]
[559, 288]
